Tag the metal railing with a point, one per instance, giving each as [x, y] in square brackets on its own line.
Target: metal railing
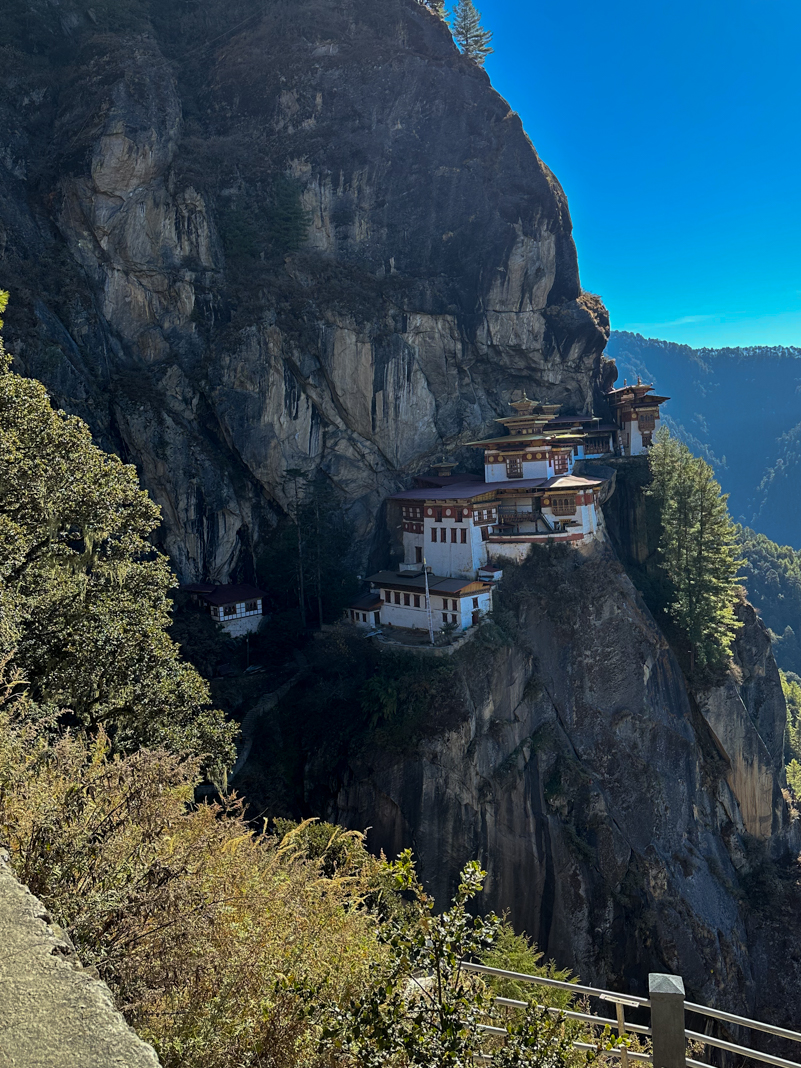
[668, 1033]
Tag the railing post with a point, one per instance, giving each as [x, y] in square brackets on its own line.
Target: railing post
[666, 993]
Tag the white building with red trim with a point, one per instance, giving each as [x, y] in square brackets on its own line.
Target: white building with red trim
[636, 412]
[414, 597]
[238, 607]
[458, 529]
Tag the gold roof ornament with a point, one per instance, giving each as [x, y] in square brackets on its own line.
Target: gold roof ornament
[523, 405]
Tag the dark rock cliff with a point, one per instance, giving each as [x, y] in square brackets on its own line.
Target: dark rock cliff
[247, 238]
[620, 817]
[251, 237]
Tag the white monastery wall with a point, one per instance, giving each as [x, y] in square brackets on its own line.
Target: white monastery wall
[516, 551]
[238, 626]
[449, 557]
[410, 543]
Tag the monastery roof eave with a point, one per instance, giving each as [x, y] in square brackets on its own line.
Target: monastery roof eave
[366, 602]
[522, 439]
[415, 580]
[467, 491]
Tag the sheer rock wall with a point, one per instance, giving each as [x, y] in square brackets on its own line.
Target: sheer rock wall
[143, 223]
[612, 820]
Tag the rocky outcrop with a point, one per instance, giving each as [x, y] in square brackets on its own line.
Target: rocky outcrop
[747, 716]
[745, 709]
[611, 815]
[320, 242]
[53, 1012]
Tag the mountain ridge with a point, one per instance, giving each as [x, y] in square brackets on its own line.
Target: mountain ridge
[738, 407]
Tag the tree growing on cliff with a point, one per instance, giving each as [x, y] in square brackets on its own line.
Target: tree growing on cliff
[83, 594]
[437, 6]
[469, 34]
[698, 548]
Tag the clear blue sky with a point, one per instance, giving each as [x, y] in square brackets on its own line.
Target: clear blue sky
[674, 130]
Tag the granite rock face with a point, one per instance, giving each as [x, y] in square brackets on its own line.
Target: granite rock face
[53, 1012]
[321, 243]
[611, 814]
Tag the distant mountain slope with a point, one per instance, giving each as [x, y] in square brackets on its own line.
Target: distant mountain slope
[741, 409]
[772, 576]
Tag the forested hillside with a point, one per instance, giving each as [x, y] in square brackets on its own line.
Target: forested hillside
[771, 574]
[741, 410]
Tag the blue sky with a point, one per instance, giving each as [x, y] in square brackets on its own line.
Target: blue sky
[674, 130]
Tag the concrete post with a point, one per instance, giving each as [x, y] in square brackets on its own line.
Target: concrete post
[667, 1020]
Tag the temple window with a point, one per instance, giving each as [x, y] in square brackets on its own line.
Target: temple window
[443, 533]
[564, 505]
[407, 600]
[444, 602]
[417, 600]
[464, 536]
[397, 598]
[453, 535]
[514, 467]
[433, 533]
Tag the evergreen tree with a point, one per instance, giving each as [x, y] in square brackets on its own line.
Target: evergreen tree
[697, 547]
[470, 36]
[84, 601]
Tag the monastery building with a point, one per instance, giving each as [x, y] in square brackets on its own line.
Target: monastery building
[237, 607]
[459, 529]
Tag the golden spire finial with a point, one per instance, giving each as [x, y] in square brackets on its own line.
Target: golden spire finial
[523, 405]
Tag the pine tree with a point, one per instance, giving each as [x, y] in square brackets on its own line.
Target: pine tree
[698, 548]
[470, 36]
